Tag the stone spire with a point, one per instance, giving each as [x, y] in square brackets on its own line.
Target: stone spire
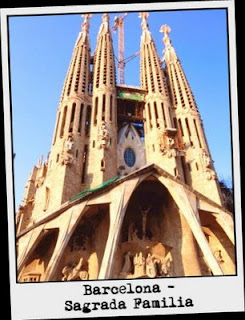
[102, 162]
[77, 79]
[161, 147]
[198, 165]
[61, 176]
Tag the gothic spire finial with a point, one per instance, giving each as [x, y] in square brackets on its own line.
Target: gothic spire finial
[85, 24]
[105, 17]
[144, 16]
[166, 30]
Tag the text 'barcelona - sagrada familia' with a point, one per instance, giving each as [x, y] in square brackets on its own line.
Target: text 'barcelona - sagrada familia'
[129, 189]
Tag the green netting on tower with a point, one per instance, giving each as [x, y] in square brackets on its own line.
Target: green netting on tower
[88, 191]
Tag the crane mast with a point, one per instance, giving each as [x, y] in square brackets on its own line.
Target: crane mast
[119, 25]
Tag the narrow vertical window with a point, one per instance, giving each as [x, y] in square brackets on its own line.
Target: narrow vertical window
[103, 108]
[80, 117]
[88, 119]
[95, 110]
[198, 137]
[72, 117]
[56, 129]
[149, 112]
[156, 113]
[102, 168]
[155, 108]
[180, 127]
[85, 156]
[63, 122]
[164, 117]
[111, 100]
[175, 123]
[187, 126]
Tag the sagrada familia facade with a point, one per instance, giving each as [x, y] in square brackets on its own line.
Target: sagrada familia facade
[129, 189]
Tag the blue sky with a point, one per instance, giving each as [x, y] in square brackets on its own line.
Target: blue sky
[40, 51]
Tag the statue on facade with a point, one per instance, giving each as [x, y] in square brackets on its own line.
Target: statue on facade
[218, 256]
[139, 265]
[127, 266]
[206, 159]
[74, 273]
[166, 267]
[68, 149]
[166, 143]
[144, 214]
[103, 137]
[132, 232]
[161, 139]
[151, 271]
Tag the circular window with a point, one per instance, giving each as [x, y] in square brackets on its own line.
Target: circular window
[129, 157]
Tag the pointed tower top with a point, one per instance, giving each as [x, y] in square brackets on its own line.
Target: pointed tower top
[85, 24]
[166, 30]
[144, 16]
[105, 27]
[105, 17]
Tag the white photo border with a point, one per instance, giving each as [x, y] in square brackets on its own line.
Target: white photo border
[47, 300]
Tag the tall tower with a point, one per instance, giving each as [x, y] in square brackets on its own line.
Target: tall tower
[102, 156]
[160, 134]
[197, 164]
[61, 175]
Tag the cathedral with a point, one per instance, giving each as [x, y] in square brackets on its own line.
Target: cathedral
[128, 189]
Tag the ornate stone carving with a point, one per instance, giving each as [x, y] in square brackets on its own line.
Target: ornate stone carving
[206, 159]
[165, 267]
[139, 265]
[166, 143]
[207, 166]
[68, 150]
[103, 137]
[127, 266]
[151, 270]
[218, 256]
[210, 174]
[74, 272]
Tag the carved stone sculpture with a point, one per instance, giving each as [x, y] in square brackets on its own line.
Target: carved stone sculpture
[103, 137]
[139, 265]
[127, 266]
[218, 256]
[206, 159]
[166, 268]
[74, 273]
[150, 266]
[166, 144]
[67, 156]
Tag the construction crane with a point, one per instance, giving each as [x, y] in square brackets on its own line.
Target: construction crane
[119, 25]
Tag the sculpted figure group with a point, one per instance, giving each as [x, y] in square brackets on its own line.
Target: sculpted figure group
[136, 266]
